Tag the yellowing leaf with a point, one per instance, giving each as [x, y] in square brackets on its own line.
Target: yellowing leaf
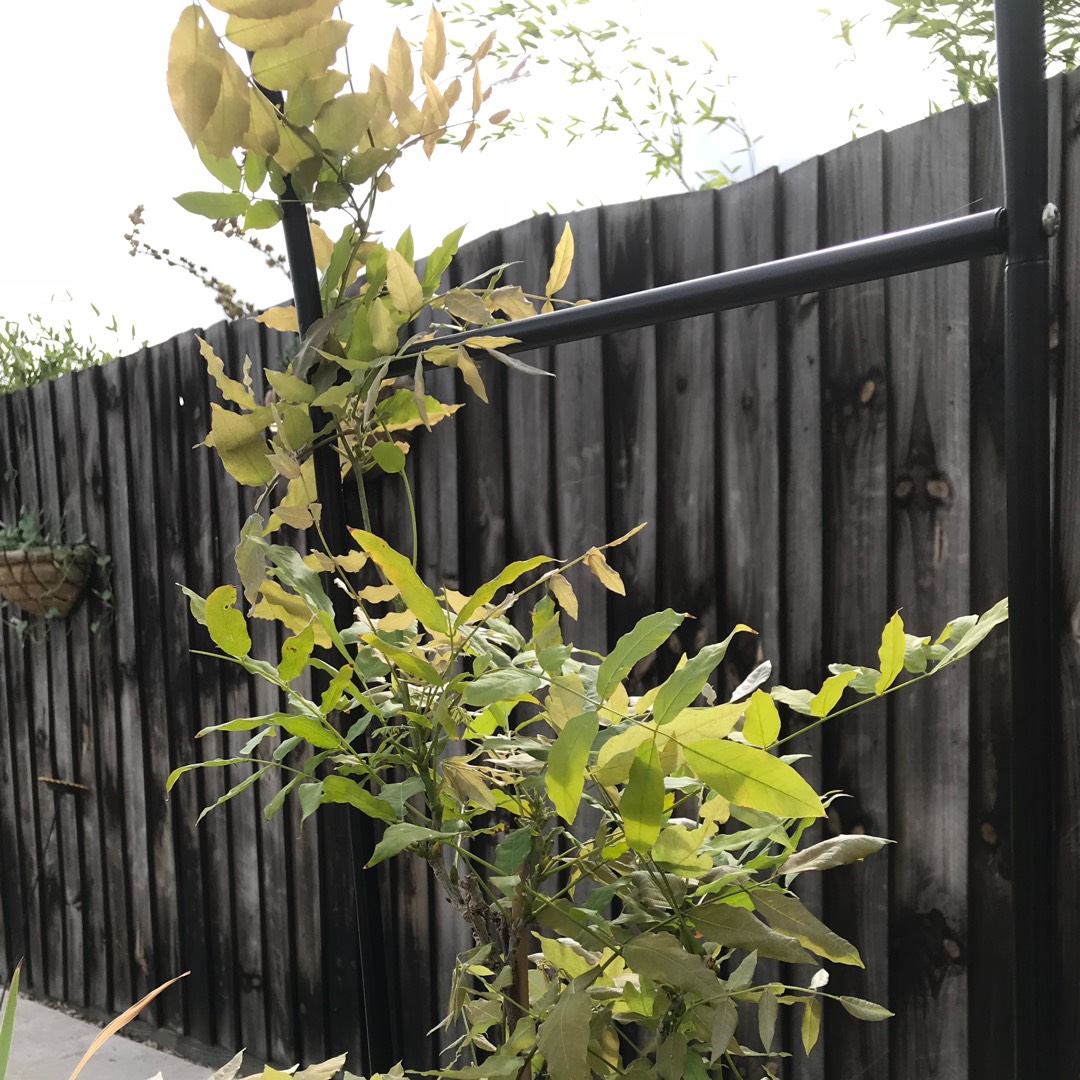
[402, 284]
[810, 1027]
[565, 775]
[260, 9]
[290, 610]
[344, 122]
[254, 34]
[563, 591]
[227, 626]
[399, 65]
[471, 374]
[399, 571]
[292, 147]
[788, 915]
[642, 802]
[307, 57]
[379, 594]
[280, 318]
[263, 134]
[753, 778]
[240, 444]
[560, 265]
[384, 331]
[231, 389]
[434, 53]
[762, 724]
[194, 73]
[891, 652]
[832, 690]
[465, 304]
[322, 245]
[610, 579]
[397, 620]
[225, 129]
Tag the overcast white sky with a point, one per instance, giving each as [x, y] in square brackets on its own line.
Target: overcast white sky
[90, 134]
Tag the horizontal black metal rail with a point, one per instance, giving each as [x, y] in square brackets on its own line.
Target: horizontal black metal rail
[903, 252]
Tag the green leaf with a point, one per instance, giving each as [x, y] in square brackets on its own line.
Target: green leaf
[502, 684]
[725, 1018]
[311, 731]
[891, 652]
[662, 959]
[262, 214]
[388, 456]
[295, 653]
[399, 571]
[832, 690]
[225, 169]
[753, 778]
[796, 700]
[987, 621]
[684, 685]
[565, 775]
[233, 792]
[507, 576]
[563, 1037]
[273, 807]
[340, 789]
[438, 261]
[645, 638]
[766, 1018]
[865, 1010]
[311, 797]
[762, 724]
[514, 850]
[7, 1022]
[397, 795]
[198, 605]
[214, 204]
[788, 915]
[211, 764]
[227, 626]
[402, 835]
[836, 851]
[737, 928]
[642, 802]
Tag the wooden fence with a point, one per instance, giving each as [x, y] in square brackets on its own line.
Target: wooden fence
[805, 466]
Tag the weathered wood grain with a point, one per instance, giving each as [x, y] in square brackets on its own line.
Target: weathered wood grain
[626, 265]
[131, 779]
[105, 734]
[80, 715]
[481, 448]
[683, 229]
[990, 936]
[856, 539]
[529, 449]
[578, 437]
[926, 180]
[1067, 617]
[800, 661]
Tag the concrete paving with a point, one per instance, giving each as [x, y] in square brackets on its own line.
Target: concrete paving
[48, 1045]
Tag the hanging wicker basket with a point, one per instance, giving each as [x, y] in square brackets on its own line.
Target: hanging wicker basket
[45, 580]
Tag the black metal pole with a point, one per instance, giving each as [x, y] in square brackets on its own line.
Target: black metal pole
[360, 839]
[903, 252]
[1033, 670]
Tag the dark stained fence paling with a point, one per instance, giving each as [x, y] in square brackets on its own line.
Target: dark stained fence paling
[805, 466]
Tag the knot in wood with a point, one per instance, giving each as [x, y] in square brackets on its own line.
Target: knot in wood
[867, 390]
[937, 488]
[904, 487]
